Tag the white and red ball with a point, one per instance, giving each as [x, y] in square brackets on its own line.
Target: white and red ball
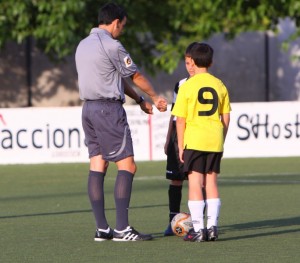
[181, 224]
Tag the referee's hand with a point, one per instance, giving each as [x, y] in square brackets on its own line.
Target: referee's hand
[146, 107]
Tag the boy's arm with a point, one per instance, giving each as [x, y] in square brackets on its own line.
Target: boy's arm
[225, 119]
[180, 128]
[170, 129]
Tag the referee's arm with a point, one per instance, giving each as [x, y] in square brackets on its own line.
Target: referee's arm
[144, 85]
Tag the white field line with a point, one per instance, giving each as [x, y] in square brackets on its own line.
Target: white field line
[232, 180]
[249, 181]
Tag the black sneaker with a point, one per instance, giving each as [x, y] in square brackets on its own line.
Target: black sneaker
[130, 235]
[193, 236]
[212, 233]
[103, 236]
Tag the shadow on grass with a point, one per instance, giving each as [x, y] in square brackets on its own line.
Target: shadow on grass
[75, 212]
[254, 226]
[273, 233]
[264, 225]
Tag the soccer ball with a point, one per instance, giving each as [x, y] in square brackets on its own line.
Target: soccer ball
[181, 224]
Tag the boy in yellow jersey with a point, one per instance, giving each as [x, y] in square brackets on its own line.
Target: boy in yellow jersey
[203, 110]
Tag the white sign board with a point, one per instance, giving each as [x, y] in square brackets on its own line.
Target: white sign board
[264, 130]
[55, 135]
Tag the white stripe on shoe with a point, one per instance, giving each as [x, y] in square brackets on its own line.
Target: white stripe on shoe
[128, 237]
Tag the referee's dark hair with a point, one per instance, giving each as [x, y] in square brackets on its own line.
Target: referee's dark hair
[109, 12]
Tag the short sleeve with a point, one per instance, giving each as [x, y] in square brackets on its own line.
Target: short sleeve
[122, 61]
[180, 107]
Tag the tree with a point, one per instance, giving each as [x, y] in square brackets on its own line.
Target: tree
[157, 32]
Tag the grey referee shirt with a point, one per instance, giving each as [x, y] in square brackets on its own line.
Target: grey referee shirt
[102, 62]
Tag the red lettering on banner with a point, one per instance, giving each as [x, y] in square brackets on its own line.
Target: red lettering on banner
[2, 119]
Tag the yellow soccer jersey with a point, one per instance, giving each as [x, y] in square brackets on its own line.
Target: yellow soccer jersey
[201, 100]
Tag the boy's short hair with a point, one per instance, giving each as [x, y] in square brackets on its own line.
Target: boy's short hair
[188, 49]
[202, 54]
[109, 12]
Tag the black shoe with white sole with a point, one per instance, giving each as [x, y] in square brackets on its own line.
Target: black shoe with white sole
[193, 236]
[130, 234]
[212, 233]
[103, 236]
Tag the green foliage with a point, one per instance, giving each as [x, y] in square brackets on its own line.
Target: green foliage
[157, 32]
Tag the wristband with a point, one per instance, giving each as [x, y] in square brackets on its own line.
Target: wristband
[140, 100]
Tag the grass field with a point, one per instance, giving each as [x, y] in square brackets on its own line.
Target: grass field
[45, 215]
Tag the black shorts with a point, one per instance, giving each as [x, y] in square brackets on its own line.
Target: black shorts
[202, 162]
[106, 130]
[174, 169]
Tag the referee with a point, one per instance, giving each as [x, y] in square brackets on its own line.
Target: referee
[102, 65]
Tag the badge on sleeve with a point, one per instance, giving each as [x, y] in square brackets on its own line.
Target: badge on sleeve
[128, 61]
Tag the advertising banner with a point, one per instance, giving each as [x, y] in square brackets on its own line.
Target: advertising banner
[55, 135]
[264, 130]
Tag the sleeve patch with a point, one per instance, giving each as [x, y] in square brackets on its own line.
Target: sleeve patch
[127, 61]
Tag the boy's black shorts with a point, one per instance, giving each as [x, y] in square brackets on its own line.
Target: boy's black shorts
[174, 169]
[202, 162]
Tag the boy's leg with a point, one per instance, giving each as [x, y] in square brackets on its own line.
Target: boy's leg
[196, 206]
[213, 205]
[174, 173]
[196, 202]
[175, 195]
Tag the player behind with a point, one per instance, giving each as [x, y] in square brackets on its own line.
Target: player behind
[203, 113]
[174, 168]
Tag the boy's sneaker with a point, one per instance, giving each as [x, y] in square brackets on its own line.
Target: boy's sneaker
[212, 233]
[130, 234]
[169, 232]
[103, 236]
[193, 236]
